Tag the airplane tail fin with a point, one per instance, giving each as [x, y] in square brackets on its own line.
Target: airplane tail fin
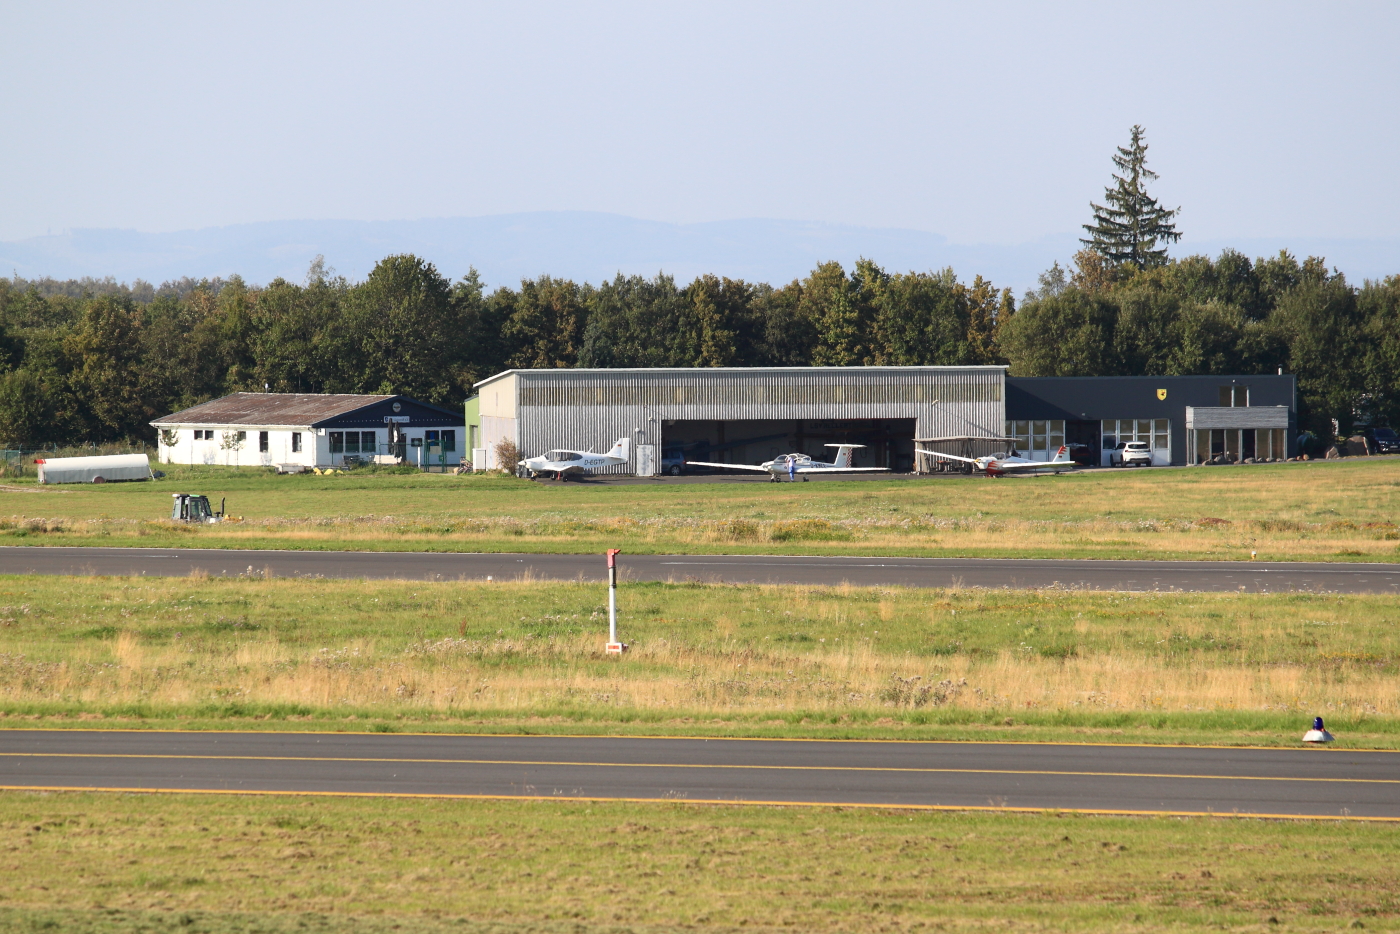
[621, 448]
[1062, 455]
[843, 454]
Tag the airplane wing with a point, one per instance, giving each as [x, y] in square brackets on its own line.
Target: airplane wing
[842, 469]
[946, 457]
[1056, 466]
[727, 466]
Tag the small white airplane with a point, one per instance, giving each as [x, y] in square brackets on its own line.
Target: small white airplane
[1000, 465]
[791, 465]
[564, 463]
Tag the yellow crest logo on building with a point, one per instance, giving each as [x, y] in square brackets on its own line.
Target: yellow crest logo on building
[1161, 395]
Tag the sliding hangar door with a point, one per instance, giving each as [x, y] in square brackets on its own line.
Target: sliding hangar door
[740, 415]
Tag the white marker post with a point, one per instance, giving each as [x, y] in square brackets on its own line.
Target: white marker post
[614, 647]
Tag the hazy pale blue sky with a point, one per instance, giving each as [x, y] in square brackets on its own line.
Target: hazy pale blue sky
[986, 122]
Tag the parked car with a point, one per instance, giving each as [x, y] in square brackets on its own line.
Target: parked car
[1131, 454]
[1383, 440]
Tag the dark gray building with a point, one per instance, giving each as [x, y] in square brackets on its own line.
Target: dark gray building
[1184, 419]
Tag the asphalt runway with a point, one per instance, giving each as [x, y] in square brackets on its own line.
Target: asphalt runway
[1326, 783]
[1255, 577]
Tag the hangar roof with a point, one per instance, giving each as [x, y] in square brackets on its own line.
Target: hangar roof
[295, 409]
[731, 371]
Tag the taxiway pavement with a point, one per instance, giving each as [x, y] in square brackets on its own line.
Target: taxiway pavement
[1255, 577]
[1326, 783]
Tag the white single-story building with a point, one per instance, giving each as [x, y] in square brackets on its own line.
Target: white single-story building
[266, 429]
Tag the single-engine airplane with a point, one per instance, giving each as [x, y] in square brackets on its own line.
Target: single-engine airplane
[564, 464]
[791, 465]
[1000, 465]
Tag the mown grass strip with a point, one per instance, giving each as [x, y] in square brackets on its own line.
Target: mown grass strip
[1321, 511]
[591, 867]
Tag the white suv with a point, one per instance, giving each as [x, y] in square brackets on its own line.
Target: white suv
[1131, 454]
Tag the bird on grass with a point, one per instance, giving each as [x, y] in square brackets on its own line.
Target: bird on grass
[1318, 734]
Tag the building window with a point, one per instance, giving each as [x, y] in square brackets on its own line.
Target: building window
[472, 434]
[1021, 431]
[368, 444]
[1231, 396]
[337, 442]
[242, 436]
[1155, 432]
[449, 441]
[262, 442]
[296, 442]
[1045, 437]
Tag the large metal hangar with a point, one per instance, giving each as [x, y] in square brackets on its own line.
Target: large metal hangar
[738, 415]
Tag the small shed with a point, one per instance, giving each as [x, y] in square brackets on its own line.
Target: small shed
[100, 469]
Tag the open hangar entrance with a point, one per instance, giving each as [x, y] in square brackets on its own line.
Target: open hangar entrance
[889, 442]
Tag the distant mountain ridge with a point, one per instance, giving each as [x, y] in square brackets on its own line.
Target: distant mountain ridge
[585, 246]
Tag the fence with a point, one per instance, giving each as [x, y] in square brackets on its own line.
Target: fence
[19, 462]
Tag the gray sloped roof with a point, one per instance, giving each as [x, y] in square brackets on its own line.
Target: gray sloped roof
[271, 408]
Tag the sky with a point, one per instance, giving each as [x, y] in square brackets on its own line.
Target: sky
[982, 122]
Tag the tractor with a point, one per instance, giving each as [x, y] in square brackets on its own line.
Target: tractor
[191, 507]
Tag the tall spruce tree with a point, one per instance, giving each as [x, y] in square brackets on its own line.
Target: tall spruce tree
[1129, 228]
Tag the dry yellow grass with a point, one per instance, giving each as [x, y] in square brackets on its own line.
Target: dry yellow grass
[508, 675]
[465, 649]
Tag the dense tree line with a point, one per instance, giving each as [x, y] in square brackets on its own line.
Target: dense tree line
[95, 361]
[98, 363]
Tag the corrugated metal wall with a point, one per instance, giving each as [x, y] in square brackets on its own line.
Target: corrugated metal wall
[1244, 416]
[590, 409]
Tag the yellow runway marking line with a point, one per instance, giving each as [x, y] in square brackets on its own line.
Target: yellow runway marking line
[697, 765]
[1125, 812]
[697, 738]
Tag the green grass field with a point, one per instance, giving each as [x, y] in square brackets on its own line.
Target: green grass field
[195, 653]
[1339, 511]
[705, 660]
[121, 864]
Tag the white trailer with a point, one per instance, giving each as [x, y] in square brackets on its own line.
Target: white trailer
[100, 469]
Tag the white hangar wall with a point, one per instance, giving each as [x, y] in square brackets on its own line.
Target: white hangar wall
[590, 409]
